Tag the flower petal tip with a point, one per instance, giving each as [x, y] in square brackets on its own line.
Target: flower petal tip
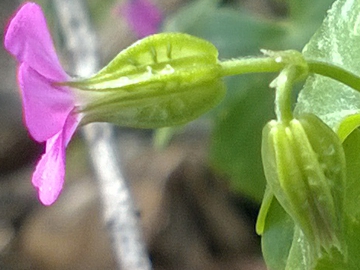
[48, 189]
[49, 174]
[48, 198]
[28, 39]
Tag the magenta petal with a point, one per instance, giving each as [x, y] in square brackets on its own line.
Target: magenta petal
[28, 39]
[143, 16]
[49, 174]
[46, 107]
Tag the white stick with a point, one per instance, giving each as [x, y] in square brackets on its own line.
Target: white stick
[119, 211]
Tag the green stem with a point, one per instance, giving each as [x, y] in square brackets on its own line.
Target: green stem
[284, 83]
[288, 74]
[269, 64]
[336, 73]
[250, 65]
[291, 65]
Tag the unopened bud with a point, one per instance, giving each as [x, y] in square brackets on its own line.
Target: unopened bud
[304, 164]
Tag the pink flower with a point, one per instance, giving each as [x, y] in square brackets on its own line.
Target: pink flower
[49, 109]
[142, 16]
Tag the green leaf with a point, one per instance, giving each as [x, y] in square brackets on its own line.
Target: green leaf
[352, 151]
[351, 261]
[336, 43]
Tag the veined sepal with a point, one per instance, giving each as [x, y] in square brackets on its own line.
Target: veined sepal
[163, 80]
[304, 165]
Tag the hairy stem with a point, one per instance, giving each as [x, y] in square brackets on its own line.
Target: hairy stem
[250, 65]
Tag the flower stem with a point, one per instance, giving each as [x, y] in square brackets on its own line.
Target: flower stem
[292, 67]
[250, 65]
[284, 84]
[266, 64]
[336, 73]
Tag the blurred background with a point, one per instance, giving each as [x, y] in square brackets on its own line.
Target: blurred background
[198, 195]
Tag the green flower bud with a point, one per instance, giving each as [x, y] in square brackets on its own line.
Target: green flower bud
[304, 165]
[162, 80]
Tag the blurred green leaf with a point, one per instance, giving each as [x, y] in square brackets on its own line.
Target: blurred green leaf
[236, 143]
[308, 11]
[304, 19]
[234, 32]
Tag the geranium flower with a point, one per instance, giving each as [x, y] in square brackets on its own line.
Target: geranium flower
[143, 16]
[49, 109]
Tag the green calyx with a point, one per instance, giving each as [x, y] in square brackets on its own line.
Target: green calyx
[162, 80]
[304, 165]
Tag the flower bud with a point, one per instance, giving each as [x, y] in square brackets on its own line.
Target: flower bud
[304, 165]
